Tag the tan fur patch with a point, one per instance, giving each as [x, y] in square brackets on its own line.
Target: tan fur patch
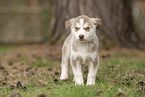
[66, 45]
[92, 47]
[79, 59]
[97, 21]
[74, 47]
[86, 20]
[68, 23]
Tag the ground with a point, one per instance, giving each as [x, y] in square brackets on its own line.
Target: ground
[34, 70]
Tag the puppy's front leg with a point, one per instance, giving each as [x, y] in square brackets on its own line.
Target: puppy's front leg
[77, 71]
[64, 65]
[93, 66]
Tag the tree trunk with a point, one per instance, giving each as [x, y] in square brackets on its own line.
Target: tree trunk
[115, 14]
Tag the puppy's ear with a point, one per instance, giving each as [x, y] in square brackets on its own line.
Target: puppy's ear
[68, 23]
[97, 21]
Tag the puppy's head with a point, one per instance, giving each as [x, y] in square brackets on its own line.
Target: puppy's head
[83, 28]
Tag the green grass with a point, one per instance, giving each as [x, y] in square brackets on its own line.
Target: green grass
[40, 63]
[114, 73]
[5, 49]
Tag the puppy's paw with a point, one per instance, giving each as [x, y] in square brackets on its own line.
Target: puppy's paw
[91, 81]
[76, 83]
[74, 79]
[79, 82]
[63, 77]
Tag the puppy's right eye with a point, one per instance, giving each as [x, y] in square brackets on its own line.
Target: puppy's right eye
[76, 28]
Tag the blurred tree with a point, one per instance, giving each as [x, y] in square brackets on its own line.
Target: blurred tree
[115, 14]
[34, 3]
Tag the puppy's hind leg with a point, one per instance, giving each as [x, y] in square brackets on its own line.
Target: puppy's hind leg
[64, 65]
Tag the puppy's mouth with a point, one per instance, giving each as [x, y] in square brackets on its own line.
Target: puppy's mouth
[81, 40]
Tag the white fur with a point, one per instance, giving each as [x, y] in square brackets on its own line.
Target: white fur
[81, 53]
[81, 22]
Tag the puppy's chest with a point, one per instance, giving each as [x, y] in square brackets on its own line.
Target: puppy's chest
[83, 53]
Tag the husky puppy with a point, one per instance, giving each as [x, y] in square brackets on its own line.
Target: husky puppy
[80, 49]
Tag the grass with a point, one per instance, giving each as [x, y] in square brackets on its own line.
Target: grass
[117, 76]
[41, 63]
[5, 49]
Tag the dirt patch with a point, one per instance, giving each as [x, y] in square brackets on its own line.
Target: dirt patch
[41, 95]
[17, 67]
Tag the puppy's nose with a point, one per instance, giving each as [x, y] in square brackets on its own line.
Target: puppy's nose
[81, 36]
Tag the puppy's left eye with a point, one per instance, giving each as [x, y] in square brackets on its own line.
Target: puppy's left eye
[87, 28]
